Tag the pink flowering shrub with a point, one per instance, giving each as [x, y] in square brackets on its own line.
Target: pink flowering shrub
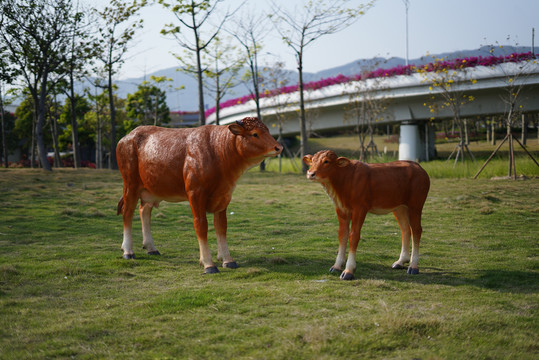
[455, 64]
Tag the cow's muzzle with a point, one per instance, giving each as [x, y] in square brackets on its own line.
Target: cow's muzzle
[311, 175]
[276, 150]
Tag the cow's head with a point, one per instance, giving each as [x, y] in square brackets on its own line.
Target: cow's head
[253, 140]
[323, 164]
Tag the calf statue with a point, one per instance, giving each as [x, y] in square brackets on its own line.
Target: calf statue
[358, 188]
[200, 165]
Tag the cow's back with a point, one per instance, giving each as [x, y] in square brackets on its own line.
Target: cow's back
[381, 186]
[399, 182]
[152, 157]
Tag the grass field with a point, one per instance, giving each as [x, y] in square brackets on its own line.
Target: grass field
[66, 292]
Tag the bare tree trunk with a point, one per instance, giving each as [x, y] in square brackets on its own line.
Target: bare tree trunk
[112, 161]
[74, 125]
[524, 134]
[54, 133]
[33, 144]
[201, 110]
[466, 135]
[41, 148]
[302, 119]
[4, 144]
[493, 132]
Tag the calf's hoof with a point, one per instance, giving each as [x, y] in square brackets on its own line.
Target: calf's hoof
[412, 271]
[211, 270]
[155, 252]
[397, 266]
[334, 270]
[230, 265]
[128, 256]
[347, 276]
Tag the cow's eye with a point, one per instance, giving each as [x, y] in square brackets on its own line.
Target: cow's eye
[326, 162]
[255, 135]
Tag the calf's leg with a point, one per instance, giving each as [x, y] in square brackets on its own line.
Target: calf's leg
[417, 230]
[344, 231]
[145, 212]
[220, 224]
[130, 202]
[355, 234]
[200, 222]
[402, 216]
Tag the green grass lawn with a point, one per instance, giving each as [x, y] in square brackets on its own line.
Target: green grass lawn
[66, 292]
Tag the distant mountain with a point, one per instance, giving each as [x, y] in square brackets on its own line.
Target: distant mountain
[187, 99]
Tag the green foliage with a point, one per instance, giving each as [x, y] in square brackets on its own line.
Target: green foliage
[65, 291]
[85, 131]
[147, 106]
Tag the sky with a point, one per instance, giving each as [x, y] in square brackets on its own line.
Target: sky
[434, 26]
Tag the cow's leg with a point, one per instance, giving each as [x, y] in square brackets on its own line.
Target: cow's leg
[220, 224]
[145, 211]
[401, 214]
[200, 222]
[130, 202]
[344, 231]
[417, 230]
[355, 234]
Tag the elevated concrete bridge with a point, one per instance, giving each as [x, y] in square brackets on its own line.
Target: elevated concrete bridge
[404, 97]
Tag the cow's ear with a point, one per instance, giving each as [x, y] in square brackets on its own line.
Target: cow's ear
[342, 162]
[308, 159]
[236, 129]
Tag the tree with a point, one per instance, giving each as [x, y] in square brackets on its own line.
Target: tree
[25, 124]
[96, 119]
[223, 66]
[276, 80]
[115, 33]
[8, 75]
[34, 34]
[193, 15]
[515, 72]
[367, 107]
[249, 30]
[9, 141]
[147, 106]
[447, 91]
[84, 132]
[81, 52]
[301, 27]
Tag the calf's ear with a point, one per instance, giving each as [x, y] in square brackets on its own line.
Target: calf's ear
[236, 129]
[308, 159]
[342, 162]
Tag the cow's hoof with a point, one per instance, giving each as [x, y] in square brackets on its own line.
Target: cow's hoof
[155, 252]
[334, 270]
[412, 271]
[128, 256]
[230, 265]
[211, 270]
[347, 276]
[397, 266]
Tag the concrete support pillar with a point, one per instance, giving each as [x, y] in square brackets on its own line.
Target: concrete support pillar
[409, 142]
[416, 142]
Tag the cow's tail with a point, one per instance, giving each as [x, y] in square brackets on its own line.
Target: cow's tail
[120, 208]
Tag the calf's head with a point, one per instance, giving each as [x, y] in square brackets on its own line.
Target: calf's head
[323, 165]
[253, 140]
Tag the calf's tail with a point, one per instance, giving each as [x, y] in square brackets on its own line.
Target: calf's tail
[120, 208]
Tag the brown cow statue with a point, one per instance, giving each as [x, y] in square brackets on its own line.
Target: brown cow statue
[358, 188]
[199, 165]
